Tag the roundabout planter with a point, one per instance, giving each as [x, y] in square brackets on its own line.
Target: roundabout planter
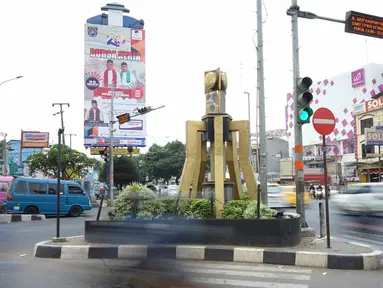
[276, 232]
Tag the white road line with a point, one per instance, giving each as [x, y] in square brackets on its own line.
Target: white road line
[250, 267]
[363, 240]
[245, 283]
[224, 273]
[324, 121]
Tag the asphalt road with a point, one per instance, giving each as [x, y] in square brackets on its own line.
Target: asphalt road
[44, 273]
[362, 229]
[19, 269]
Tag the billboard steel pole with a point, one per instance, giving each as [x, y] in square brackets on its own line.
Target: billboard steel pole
[262, 116]
[111, 167]
[298, 149]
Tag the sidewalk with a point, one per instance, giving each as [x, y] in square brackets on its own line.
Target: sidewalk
[8, 218]
[312, 252]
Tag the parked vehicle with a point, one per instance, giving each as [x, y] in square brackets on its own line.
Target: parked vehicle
[39, 196]
[361, 199]
[5, 182]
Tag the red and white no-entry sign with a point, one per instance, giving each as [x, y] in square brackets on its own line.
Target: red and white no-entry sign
[324, 121]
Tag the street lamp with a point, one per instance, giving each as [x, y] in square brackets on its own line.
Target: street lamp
[18, 77]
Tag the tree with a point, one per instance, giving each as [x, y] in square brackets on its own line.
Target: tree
[166, 161]
[125, 172]
[74, 164]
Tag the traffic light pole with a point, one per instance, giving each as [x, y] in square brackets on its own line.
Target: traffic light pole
[111, 166]
[298, 149]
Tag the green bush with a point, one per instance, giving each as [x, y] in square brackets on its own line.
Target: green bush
[196, 209]
[124, 202]
[251, 211]
[234, 209]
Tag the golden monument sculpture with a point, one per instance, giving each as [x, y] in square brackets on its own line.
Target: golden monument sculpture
[229, 147]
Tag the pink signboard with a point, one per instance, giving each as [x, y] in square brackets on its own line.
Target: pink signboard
[357, 78]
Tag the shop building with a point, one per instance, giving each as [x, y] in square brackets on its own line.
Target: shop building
[342, 94]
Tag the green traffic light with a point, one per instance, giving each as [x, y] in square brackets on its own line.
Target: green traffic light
[305, 114]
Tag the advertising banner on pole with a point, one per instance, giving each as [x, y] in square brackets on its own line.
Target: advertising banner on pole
[114, 64]
[34, 139]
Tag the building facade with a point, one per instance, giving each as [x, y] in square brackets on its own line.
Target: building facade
[276, 149]
[340, 94]
[369, 117]
[18, 156]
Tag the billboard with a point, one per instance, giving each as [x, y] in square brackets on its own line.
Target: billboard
[33, 139]
[114, 65]
[374, 136]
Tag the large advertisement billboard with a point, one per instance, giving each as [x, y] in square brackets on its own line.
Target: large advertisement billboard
[34, 139]
[114, 65]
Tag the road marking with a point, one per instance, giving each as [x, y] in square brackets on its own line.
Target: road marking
[363, 240]
[244, 283]
[324, 121]
[250, 267]
[223, 272]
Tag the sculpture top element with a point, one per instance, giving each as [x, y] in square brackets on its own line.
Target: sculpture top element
[215, 91]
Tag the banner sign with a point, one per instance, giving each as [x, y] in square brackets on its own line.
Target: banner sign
[116, 151]
[114, 66]
[34, 139]
[374, 136]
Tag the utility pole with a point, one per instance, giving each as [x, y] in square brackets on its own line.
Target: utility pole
[70, 139]
[62, 117]
[111, 130]
[248, 115]
[298, 150]
[262, 114]
[5, 156]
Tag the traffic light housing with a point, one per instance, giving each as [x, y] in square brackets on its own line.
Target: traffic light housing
[144, 110]
[105, 154]
[304, 98]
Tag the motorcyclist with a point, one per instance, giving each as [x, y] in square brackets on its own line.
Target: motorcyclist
[319, 189]
[312, 191]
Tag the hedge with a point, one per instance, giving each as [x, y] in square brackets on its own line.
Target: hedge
[137, 201]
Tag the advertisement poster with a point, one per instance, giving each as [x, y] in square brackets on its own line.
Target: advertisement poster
[114, 65]
[34, 139]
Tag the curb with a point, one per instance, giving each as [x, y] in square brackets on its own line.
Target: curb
[7, 218]
[365, 261]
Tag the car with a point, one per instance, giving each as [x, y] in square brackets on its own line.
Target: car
[275, 195]
[361, 199]
[290, 195]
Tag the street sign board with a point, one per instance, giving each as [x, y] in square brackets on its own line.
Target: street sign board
[116, 150]
[324, 121]
[364, 24]
[374, 136]
[123, 118]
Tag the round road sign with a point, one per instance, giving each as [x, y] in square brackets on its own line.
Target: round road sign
[324, 121]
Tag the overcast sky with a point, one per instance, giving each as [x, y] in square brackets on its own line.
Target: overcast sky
[44, 43]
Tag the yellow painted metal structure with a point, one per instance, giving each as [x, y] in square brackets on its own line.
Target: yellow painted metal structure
[227, 151]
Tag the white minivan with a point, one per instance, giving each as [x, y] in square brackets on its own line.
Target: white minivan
[361, 198]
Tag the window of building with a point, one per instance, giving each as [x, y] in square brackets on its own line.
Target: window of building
[366, 123]
[37, 188]
[367, 150]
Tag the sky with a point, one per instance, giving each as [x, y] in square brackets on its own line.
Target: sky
[44, 44]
